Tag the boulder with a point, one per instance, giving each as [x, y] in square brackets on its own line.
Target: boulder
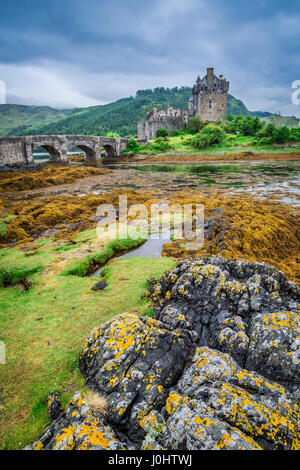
[100, 285]
[53, 405]
[218, 405]
[79, 428]
[133, 362]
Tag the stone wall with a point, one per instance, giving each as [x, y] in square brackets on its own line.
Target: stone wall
[171, 119]
[12, 150]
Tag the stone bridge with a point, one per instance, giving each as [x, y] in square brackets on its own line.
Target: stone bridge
[20, 149]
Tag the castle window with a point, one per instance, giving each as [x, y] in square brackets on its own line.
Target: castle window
[210, 104]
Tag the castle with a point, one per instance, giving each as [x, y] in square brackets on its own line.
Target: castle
[209, 100]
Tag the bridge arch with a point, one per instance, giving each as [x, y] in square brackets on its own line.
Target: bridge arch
[109, 150]
[91, 155]
[54, 152]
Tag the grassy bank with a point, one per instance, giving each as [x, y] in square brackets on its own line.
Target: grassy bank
[43, 329]
[239, 144]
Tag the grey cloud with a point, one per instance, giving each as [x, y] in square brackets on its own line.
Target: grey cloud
[104, 51]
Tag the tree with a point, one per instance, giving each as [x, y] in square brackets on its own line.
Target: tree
[195, 124]
[113, 134]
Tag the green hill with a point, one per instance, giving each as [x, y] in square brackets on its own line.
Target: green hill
[14, 116]
[278, 120]
[120, 116]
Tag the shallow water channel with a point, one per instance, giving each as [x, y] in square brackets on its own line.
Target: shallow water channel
[152, 248]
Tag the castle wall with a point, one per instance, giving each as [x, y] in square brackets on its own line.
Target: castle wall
[214, 107]
[170, 119]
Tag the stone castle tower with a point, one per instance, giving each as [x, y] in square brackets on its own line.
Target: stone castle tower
[209, 100]
[210, 97]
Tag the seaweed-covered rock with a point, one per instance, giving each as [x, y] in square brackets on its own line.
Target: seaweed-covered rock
[217, 368]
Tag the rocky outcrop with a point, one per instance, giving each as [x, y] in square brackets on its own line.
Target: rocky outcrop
[218, 405]
[217, 368]
[248, 310]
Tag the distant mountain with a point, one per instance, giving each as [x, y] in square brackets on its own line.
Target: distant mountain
[261, 114]
[121, 116]
[14, 116]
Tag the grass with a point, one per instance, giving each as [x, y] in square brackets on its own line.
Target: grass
[89, 263]
[13, 275]
[44, 328]
[237, 143]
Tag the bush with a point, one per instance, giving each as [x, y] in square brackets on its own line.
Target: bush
[295, 134]
[232, 138]
[160, 145]
[162, 132]
[267, 131]
[249, 126]
[132, 146]
[282, 135]
[215, 134]
[264, 141]
[188, 141]
[179, 133]
[200, 141]
[210, 135]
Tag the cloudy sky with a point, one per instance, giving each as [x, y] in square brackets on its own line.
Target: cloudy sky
[67, 53]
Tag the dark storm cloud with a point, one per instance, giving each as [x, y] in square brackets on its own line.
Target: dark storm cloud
[76, 53]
